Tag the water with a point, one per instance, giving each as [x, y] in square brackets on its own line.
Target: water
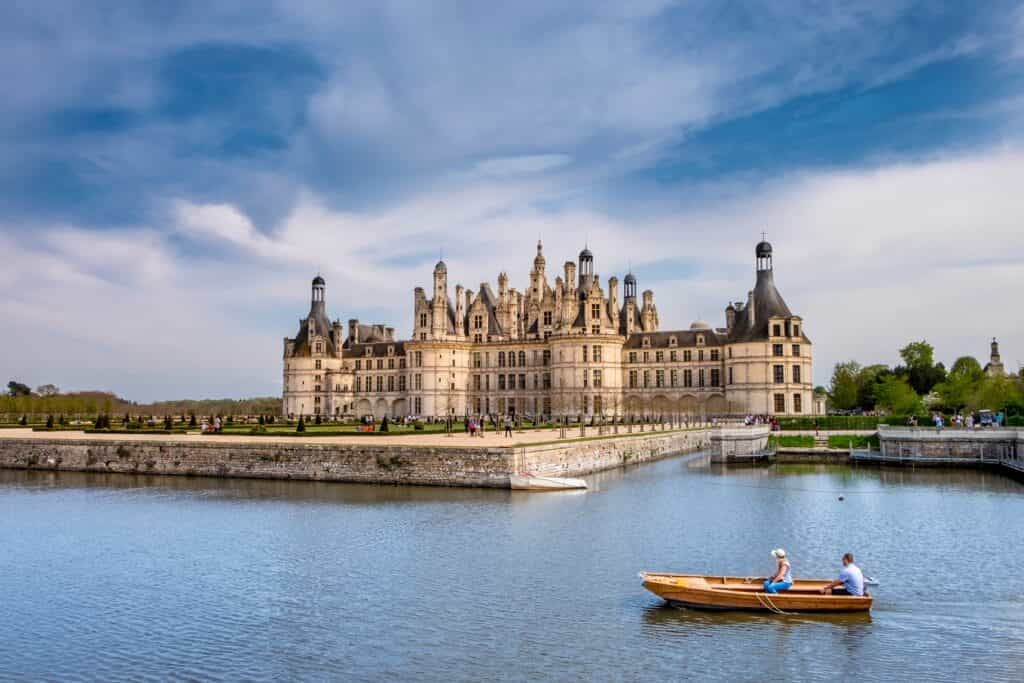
[150, 578]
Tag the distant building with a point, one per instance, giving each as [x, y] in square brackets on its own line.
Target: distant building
[567, 349]
[994, 368]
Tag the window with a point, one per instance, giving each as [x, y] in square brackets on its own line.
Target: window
[501, 382]
[478, 322]
[777, 332]
[419, 358]
[673, 377]
[647, 356]
[687, 355]
[632, 356]
[511, 382]
[595, 310]
[511, 359]
[547, 357]
[501, 359]
[632, 379]
[380, 363]
[318, 364]
[730, 375]
[522, 381]
[716, 377]
[673, 356]
[672, 341]
[586, 375]
[401, 363]
[700, 377]
[796, 333]
[401, 382]
[547, 405]
[659, 356]
[597, 405]
[586, 404]
[595, 329]
[536, 382]
[700, 355]
[687, 378]
[659, 378]
[418, 405]
[316, 387]
[778, 374]
[476, 359]
[423, 336]
[585, 353]
[647, 378]
[380, 382]
[423, 319]
[546, 378]
[796, 374]
[487, 382]
[417, 382]
[597, 354]
[597, 379]
[780, 403]
[391, 382]
[796, 349]
[700, 340]
[476, 382]
[319, 347]
[646, 342]
[797, 403]
[522, 359]
[777, 349]
[391, 363]
[715, 354]
[358, 362]
[547, 317]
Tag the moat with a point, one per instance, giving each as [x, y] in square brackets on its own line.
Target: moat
[113, 577]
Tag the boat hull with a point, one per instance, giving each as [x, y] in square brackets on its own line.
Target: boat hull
[739, 593]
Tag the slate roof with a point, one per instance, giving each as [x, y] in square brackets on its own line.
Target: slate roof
[323, 328]
[768, 303]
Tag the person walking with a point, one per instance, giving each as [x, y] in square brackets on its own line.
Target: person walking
[508, 427]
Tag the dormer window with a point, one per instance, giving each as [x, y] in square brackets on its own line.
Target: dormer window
[700, 340]
[672, 341]
[646, 342]
[796, 329]
[369, 350]
[391, 350]
[776, 330]
[319, 347]
[423, 319]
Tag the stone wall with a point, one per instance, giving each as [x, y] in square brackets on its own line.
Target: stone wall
[927, 444]
[363, 462]
[582, 457]
[739, 443]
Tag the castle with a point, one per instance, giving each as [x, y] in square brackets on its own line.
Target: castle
[549, 351]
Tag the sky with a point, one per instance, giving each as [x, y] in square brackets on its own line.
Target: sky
[173, 175]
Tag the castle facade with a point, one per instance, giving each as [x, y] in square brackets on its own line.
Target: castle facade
[567, 349]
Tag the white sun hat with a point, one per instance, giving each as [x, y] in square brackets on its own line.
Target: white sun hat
[779, 552]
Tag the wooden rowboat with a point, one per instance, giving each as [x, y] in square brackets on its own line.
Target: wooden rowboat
[738, 593]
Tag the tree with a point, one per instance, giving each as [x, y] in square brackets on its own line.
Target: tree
[18, 389]
[318, 420]
[961, 383]
[49, 421]
[867, 379]
[301, 427]
[895, 394]
[47, 390]
[842, 391]
[192, 420]
[920, 368]
[384, 424]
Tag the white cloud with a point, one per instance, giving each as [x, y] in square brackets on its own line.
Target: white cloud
[522, 164]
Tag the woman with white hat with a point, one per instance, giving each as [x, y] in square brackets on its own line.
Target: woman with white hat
[782, 580]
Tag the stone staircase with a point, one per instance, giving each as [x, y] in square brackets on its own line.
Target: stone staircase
[821, 441]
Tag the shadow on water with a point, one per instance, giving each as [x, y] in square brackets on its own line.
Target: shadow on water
[666, 616]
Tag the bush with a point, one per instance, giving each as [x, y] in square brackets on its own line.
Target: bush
[384, 424]
[301, 427]
[262, 421]
[192, 420]
[828, 422]
[23, 421]
[49, 421]
[318, 420]
[418, 425]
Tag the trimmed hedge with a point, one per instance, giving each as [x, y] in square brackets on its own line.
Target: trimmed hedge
[791, 441]
[858, 441]
[828, 422]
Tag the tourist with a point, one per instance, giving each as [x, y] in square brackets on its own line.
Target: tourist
[508, 427]
[216, 424]
[850, 578]
[471, 427]
[970, 421]
[782, 580]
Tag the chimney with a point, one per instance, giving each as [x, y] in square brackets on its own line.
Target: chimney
[750, 307]
[570, 274]
[353, 330]
[730, 316]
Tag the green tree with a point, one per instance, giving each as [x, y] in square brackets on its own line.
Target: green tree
[961, 383]
[18, 389]
[842, 391]
[301, 427]
[192, 420]
[895, 395]
[318, 420]
[49, 421]
[922, 372]
[867, 379]
[47, 390]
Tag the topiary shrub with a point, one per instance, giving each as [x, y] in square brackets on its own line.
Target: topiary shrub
[384, 424]
[318, 420]
[301, 427]
[49, 421]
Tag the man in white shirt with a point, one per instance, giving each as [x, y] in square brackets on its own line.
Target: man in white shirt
[850, 578]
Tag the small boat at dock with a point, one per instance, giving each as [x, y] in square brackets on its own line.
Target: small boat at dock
[530, 483]
[740, 593]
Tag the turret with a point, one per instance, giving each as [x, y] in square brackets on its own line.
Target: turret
[440, 302]
[353, 330]
[649, 314]
[730, 316]
[763, 254]
[629, 287]
[460, 311]
[586, 267]
[318, 295]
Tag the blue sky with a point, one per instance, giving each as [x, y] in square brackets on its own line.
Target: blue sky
[173, 174]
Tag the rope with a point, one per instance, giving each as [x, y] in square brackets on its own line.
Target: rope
[767, 603]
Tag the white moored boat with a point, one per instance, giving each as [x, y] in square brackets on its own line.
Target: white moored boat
[529, 483]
